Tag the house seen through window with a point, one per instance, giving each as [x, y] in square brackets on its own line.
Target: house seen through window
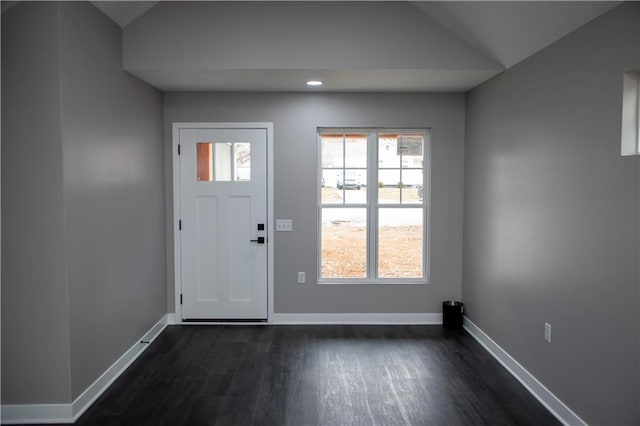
[373, 205]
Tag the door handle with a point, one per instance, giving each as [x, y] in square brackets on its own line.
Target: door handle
[260, 240]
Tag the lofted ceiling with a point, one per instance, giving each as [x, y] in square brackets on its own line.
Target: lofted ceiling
[124, 12]
[502, 32]
[510, 31]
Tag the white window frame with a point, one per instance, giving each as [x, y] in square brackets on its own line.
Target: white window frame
[631, 114]
[372, 205]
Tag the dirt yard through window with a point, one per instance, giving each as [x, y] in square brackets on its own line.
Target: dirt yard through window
[344, 251]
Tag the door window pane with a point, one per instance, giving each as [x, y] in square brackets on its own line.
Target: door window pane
[204, 161]
[223, 161]
[344, 243]
[243, 161]
[232, 162]
[400, 243]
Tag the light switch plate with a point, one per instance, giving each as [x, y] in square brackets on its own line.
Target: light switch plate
[547, 332]
[284, 225]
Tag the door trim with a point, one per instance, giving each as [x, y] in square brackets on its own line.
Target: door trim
[177, 251]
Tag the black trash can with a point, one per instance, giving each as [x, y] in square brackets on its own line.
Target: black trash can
[452, 314]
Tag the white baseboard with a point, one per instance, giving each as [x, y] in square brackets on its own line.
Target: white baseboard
[36, 413]
[563, 413]
[69, 413]
[319, 319]
[423, 319]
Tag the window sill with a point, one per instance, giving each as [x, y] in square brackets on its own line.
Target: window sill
[380, 282]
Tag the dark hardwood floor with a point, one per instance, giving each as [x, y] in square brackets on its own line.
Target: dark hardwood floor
[315, 375]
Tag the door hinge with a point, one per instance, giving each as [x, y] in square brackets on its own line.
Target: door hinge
[181, 298]
[180, 225]
[178, 149]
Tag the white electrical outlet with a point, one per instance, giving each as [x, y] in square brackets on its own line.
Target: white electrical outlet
[547, 332]
[284, 225]
[301, 278]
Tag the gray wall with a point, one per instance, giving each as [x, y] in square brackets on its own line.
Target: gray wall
[250, 39]
[295, 118]
[339, 35]
[83, 192]
[551, 218]
[35, 322]
[114, 194]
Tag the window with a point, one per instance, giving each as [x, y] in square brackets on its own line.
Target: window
[224, 160]
[631, 114]
[373, 205]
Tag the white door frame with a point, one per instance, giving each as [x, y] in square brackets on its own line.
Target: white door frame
[177, 251]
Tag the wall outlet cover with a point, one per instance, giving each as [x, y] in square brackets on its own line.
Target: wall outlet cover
[284, 225]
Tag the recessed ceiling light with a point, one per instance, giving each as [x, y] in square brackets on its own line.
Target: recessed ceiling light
[314, 83]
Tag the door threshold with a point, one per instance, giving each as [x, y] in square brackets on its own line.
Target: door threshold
[218, 320]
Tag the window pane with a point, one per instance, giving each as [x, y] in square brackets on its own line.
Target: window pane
[411, 186]
[400, 168]
[388, 156]
[344, 243]
[389, 187]
[410, 146]
[352, 186]
[400, 243]
[355, 151]
[223, 161]
[330, 194]
[397, 205]
[243, 161]
[332, 151]
[204, 157]
[411, 178]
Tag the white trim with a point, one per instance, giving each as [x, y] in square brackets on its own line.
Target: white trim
[69, 413]
[298, 319]
[397, 318]
[630, 114]
[96, 389]
[177, 250]
[177, 255]
[372, 204]
[36, 413]
[563, 413]
[216, 323]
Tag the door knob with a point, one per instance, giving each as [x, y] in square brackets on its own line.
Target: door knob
[260, 240]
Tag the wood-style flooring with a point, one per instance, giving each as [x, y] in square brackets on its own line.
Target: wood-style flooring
[315, 375]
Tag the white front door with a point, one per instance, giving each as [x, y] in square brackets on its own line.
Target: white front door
[223, 223]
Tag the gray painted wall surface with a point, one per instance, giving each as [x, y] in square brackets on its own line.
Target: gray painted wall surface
[551, 218]
[82, 187]
[114, 194]
[296, 118]
[35, 323]
[335, 35]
